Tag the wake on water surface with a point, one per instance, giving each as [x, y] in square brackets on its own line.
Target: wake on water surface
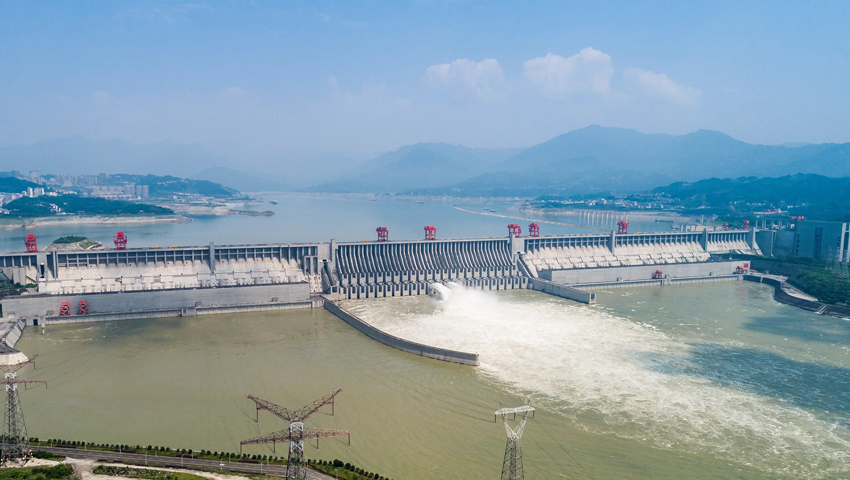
[613, 375]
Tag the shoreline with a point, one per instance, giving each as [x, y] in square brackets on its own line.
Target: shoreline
[29, 223]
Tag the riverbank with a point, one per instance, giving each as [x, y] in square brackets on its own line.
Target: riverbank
[73, 220]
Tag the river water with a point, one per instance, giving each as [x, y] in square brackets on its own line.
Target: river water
[302, 218]
[696, 381]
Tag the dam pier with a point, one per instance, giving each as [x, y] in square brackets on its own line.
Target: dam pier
[107, 285]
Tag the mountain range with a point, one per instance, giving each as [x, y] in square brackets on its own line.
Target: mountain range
[591, 159]
[588, 160]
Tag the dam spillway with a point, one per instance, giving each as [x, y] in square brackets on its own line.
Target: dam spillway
[206, 279]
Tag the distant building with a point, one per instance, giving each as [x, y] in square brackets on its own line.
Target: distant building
[142, 191]
[822, 239]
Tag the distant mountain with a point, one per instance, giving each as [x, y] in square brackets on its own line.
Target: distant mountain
[598, 158]
[167, 186]
[805, 194]
[422, 165]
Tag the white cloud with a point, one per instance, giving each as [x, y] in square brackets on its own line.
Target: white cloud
[659, 85]
[100, 97]
[234, 92]
[588, 71]
[484, 78]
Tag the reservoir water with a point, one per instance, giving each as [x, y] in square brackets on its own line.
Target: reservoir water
[698, 381]
[302, 218]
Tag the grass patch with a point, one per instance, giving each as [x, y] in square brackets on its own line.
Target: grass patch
[47, 455]
[55, 472]
[69, 239]
[345, 471]
[144, 473]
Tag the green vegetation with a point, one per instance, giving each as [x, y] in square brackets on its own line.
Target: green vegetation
[343, 470]
[15, 185]
[69, 239]
[12, 289]
[60, 471]
[167, 186]
[809, 195]
[809, 275]
[47, 455]
[45, 206]
[83, 242]
[144, 473]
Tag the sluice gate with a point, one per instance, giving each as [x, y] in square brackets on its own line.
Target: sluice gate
[393, 269]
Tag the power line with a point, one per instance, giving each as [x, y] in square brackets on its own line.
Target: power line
[14, 444]
[512, 465]
[296, 465]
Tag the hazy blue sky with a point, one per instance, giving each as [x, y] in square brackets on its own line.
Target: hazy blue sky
[266, 78]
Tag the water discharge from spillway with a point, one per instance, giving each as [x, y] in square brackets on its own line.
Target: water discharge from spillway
[613, 375]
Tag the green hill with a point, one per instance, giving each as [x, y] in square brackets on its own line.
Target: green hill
[166, 186]
[15, 185]
[810, 195]
[45, 206]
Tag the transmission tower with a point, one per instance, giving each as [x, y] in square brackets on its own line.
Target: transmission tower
[14, 444]
[512, 465]
[296, 465]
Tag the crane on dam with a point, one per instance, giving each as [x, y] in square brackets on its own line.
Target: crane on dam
[512, 465]
[296, 465]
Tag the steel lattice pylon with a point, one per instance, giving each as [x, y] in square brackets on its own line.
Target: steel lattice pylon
[296, 465]
[512, 465]
[14, 444]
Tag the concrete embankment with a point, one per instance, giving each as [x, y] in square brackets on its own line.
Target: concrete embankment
[563, 291]
[378, 335]
[781, 295]
[159, 303]
[10, 332]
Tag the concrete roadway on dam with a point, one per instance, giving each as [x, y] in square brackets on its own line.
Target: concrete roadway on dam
[177, 462]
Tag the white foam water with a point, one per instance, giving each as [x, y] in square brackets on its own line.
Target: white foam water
[616, 376]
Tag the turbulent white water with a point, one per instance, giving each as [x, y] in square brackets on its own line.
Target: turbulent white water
[618, 376]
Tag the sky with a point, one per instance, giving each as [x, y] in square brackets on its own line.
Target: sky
[272, 79]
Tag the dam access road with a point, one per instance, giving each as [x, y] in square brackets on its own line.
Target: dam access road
[180, 462]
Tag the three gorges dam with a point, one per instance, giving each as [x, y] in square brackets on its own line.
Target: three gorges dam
[128, 283]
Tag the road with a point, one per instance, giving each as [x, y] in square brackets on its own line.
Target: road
[598, 229]
[178, 462]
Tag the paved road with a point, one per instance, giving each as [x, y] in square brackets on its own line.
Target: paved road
[177, 462]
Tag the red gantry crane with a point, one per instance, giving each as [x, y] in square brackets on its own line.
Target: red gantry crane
[120, 241]
[430, 232]
[383, 234]
[32, 246]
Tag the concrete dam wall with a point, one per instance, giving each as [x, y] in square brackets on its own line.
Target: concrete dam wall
[583, 254]
[154, 282]
[392, 269]
[102, 271]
